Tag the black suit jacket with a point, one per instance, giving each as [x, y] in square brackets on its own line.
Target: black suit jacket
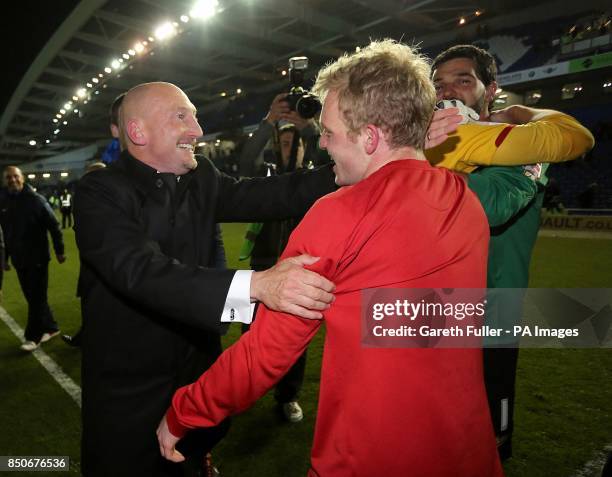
[26, 217]
[151, 308]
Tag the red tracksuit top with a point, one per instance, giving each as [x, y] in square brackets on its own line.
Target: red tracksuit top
[382, 412]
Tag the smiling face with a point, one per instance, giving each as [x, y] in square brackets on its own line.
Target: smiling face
[351, 162]
[162, 127]
[457, 79]
[14, 179]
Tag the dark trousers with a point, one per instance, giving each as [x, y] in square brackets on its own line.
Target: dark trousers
[138, 455]
[500, 380]
[66, 216]
[121, 411]
[34, 282]
[288, 388]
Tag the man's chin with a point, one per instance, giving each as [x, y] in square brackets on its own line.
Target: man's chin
[191, 163]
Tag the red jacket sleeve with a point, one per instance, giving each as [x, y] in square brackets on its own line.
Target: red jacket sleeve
[261, 357]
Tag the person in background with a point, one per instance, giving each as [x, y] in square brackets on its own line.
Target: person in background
[75, 340]
[26, 218]
[264, 243]
[268, 131]
[66, 208]
[527, 136]
[114, 148]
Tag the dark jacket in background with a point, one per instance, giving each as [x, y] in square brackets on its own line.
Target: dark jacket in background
[26, 217]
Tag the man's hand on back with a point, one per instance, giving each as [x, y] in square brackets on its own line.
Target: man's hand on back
[444, 122]
[290, 288]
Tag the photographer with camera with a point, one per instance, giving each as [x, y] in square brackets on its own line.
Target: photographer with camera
[295, 136]
[298, 108]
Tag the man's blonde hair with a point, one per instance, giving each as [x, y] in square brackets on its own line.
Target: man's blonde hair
[386, 84]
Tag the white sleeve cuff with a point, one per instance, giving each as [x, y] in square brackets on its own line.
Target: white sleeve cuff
[238, 306]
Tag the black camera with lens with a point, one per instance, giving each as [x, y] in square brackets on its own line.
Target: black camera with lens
[299, 99]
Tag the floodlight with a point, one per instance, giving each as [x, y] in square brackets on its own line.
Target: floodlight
[55, 120]
[204, 9]
[63, 174]
[185, 18]
[108, 70]
[31, 176]
[46, 175]
[139, 47]
[62, 111]
[131, 52]
[165, 31]
[95, 80]
[115, 64]
[126, 56]
[81, 93]
[32, 142]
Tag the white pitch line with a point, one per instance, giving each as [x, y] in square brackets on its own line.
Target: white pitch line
[593, 467]
[57, 373]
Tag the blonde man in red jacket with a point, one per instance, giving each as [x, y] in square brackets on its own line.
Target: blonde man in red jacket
[396, 222]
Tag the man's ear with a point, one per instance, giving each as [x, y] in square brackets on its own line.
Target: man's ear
[490, 92]
[371, 138]
[136, 133]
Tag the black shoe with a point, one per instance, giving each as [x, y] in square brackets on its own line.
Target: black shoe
[209, 469]
[199, 468]
[72, 340]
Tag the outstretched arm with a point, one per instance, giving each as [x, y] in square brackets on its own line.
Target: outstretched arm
[545, 136]
[246, 370]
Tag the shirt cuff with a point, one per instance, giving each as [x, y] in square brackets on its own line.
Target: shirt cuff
[238, 306]
[175, 428]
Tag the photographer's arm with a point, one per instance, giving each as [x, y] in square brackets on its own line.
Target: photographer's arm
[255, 144]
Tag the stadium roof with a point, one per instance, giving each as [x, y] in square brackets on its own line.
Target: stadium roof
[62, 101]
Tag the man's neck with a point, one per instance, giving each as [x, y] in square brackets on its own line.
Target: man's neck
[392, 155]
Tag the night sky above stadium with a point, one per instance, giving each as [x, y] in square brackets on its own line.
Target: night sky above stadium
[27, 25]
